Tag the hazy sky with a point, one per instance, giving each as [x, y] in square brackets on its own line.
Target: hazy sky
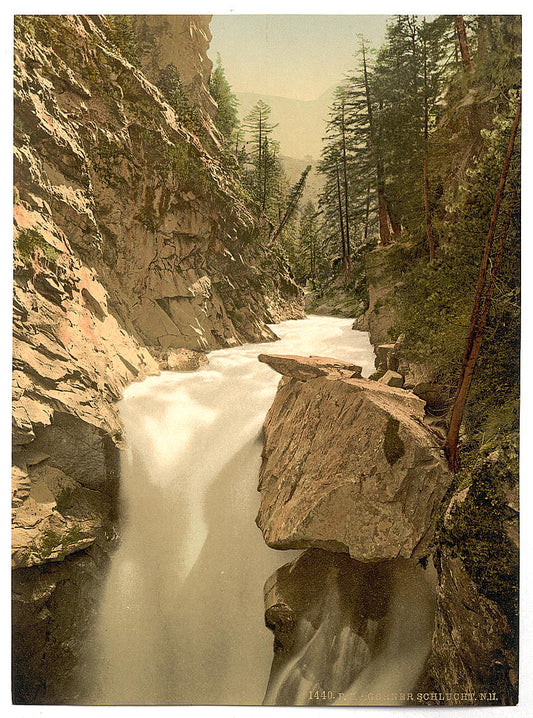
[298, 56]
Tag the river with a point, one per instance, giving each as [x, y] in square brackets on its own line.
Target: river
[181, 618]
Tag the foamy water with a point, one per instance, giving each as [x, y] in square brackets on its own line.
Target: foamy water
[181, 619]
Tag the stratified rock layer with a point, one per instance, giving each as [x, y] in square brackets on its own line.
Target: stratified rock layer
[349, 466]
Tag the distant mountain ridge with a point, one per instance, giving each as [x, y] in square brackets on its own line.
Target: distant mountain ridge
[302, 123]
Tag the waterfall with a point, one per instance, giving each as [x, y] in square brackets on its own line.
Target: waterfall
[181, 618]
[361, 638]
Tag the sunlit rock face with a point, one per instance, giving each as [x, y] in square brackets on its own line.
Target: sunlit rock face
[349, 466]
[181, 40]
[129, 234]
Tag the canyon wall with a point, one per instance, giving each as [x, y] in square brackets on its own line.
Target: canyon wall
[132, 239]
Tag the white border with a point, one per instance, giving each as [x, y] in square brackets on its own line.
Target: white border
[525, 707]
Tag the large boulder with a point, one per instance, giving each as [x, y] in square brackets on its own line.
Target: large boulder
[349, 466]
[305, 368]
[392, 378]
[179, 359]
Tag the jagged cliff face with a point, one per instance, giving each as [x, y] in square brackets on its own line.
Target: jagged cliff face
[181, 40]
[131, 239]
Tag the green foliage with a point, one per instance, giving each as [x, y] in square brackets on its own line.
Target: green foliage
[226, 118]
[262, 173]
[29, 242]
[476, 531]
[419, 108]
[172, 89]
[434, 300]
[122, 34]
[36, 27]
[51, 540]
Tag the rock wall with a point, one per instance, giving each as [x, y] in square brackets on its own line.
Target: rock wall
[473, 651]
[379, 317]
[131, 241]
[183, 41]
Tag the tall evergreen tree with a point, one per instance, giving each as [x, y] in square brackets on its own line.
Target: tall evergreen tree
[263, 176]
[226, 118]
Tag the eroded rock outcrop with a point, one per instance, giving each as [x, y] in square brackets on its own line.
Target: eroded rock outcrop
[304, 368]
[379, 318]
[349, 466]
[472, 650]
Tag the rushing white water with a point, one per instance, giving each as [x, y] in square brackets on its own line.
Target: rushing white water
[181, 619]
[370, 643]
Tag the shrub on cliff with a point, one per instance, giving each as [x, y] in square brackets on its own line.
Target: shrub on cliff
[122, 34]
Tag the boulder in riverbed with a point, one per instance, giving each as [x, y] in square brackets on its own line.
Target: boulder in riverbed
[306, 368]
[180, 359]
[348, 466]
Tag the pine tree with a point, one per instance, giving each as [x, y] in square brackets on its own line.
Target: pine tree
[263, 176]
[293, 199]
[226, 118]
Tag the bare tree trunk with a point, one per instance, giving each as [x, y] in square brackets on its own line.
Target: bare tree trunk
[477, 323]
[463, 43]
[265, 159]
[367, 213]
[394, 224]
[345, 179]
[427, 213]
[429, 227]
[384, 229]
[343, 241]
[452, 439]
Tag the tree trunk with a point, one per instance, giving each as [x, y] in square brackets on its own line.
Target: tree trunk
[394, 224]
[265, 160]
[463, 43]
[345, 180]
[490, 235]
[343, 241]
[367, 213]
[427, 213]
[429, 227]
[479, 311]
[452, 439]
[384, 229]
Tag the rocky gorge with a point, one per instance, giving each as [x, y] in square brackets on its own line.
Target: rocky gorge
[130, 242]
[137, 252]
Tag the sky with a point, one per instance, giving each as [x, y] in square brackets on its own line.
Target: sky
[296, 56]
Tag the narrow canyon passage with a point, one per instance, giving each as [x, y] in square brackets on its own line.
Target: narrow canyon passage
[181, 619]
